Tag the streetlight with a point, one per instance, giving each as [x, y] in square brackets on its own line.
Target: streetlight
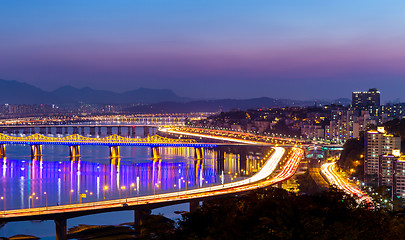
[130, 189]
[126, 194]
[70, 196]
[4, 201]
[46, 200]
[105, 189]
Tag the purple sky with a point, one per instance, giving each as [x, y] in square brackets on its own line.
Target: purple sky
[208, 49]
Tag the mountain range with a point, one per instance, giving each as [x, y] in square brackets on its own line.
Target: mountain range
[14, 92]
[148, 100]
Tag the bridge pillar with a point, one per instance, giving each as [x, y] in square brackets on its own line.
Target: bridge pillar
[129, 131]
[146, 131]
[42, 130]
[92, 131]
[155, 152]
[58, 130]
[114, 151]
[220, 160]
[49, 130]
[119, 131]
[99, 131]
[109, 130]
[3, 150]
[82, 131]
[74, 151]
[194, 205]
[66, 130]
[36, 150]
[60, 225]
[32, 130]
[133, 132]
[242, 161]
[75, 130]
[198, 153]
[140, 216]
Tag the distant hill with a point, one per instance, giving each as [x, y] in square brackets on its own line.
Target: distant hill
[14, 92]
[150, 100]
[222, 105]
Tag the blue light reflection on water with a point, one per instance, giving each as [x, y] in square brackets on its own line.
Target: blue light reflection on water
[64, 179]
[56, 175]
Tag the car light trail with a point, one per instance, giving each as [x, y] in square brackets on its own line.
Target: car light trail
[329, 171]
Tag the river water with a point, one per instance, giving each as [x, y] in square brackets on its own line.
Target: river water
[56, 179]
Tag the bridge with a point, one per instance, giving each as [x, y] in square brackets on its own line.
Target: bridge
[140, 205]
[113, 142]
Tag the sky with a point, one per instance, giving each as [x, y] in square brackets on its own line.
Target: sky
[208, 49]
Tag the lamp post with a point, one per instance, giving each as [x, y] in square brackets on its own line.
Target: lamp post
[46, 201]
[4, 202]
[105, 189]
[130, 189]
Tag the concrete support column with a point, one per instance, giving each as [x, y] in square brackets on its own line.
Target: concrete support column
[140, 217]
[194, 205]
[66, 130]
[74, 151]
[92, 131]
[220, 160]
[99, 131]
[75, 130]
[155, 152]
[60, 227]
[42, 130]
[109, 130]
[82, 131]
[129, 131]
[36, 150]
[49, 130]
[114, 151]
[146, 131]
[3, 150]
[198, 153]
[242, 161]
[119, 131]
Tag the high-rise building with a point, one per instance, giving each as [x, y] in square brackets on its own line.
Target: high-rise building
[367, 101]
[377, 143]
[392, 173]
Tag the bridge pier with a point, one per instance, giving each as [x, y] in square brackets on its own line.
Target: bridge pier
[114, 151]
[42, 130]
[194, 205]
[140, 215]
[242, 161]
[36, 150]
[155, 152]
[129, 131]
[109, 130]
[220, 160]
[99, 131]
[82, 131]
[75, 130]
[198, 153]
[3, 150]
[119, 131]
[146, 131]
[49, 130]
[92, 131]
[66, 130]
[58, 130]
[26, 130]
[60, 227]
[74, 151]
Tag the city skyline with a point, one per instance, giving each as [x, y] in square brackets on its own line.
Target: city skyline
[296, 50]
